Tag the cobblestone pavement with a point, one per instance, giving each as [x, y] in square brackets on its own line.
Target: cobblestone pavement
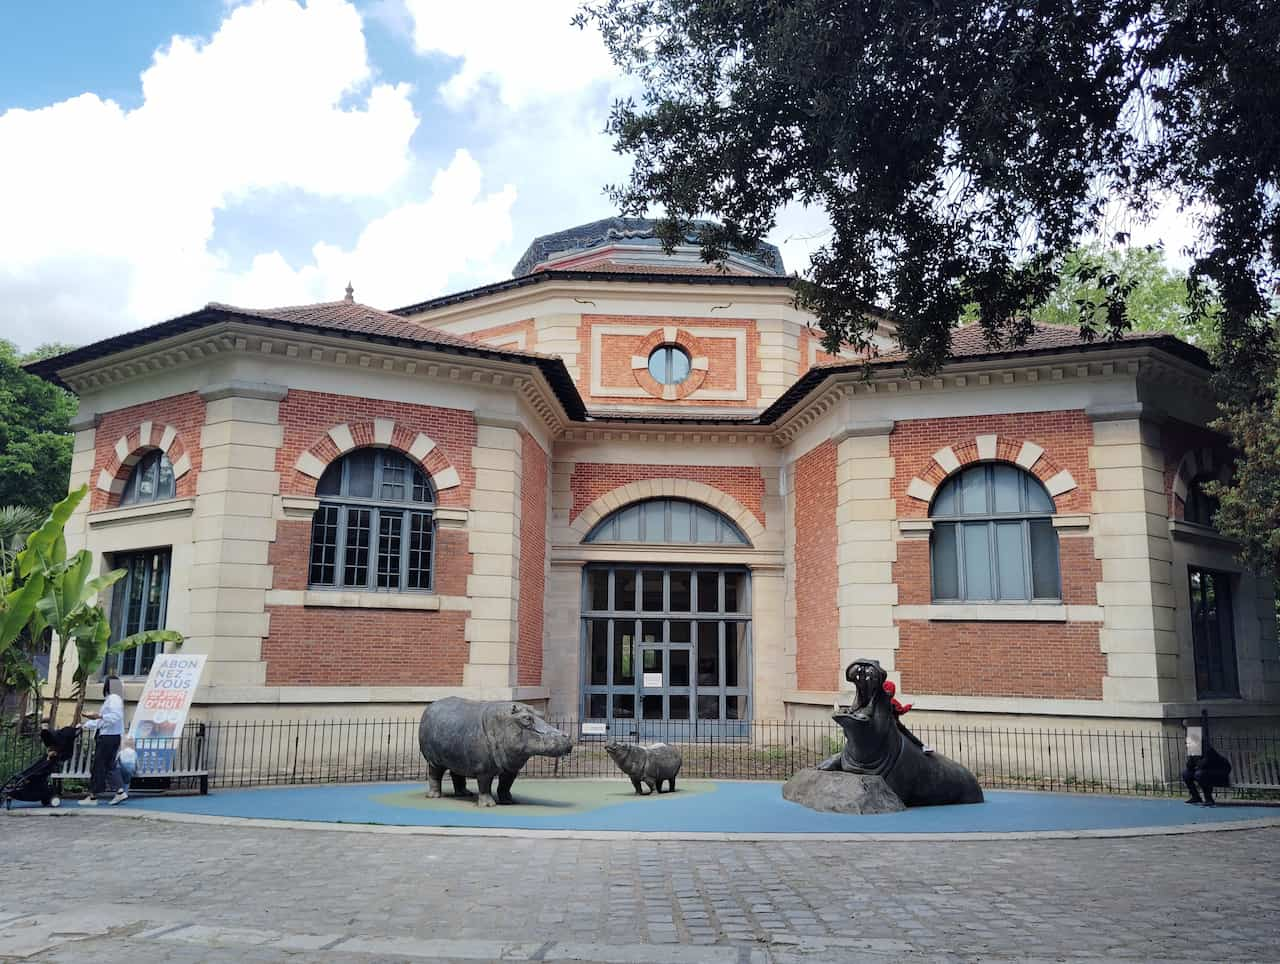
[78, 888]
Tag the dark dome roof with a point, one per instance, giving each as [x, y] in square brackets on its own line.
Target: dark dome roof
[638, 233]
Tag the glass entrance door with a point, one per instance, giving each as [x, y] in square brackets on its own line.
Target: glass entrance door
[666, 650]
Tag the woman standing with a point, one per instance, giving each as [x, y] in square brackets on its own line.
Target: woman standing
[108, 723]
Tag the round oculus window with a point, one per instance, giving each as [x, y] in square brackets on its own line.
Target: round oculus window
[669, 365]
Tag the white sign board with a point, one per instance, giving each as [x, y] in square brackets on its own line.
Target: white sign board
[653, 681]
[595, 729]
[166, 699]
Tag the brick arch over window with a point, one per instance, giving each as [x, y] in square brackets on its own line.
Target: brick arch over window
[384, 433]
[989, 448]
[1202, 463]
[129, 450]
[711, 497]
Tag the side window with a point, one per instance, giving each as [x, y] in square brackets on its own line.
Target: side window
[375, 527]
[150, 481]
[993, 538]
[1199, 506]
[139, 601]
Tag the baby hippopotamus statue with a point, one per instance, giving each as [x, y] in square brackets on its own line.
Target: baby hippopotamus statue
[483, 740]
[647, 765]
[877, 744]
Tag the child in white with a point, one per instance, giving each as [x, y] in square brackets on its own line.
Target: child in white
[127, 761]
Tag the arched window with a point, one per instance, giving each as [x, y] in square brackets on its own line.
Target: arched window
[993, 537]
[150, 481]
[668, 521]
[375, 525]
[1199, 506]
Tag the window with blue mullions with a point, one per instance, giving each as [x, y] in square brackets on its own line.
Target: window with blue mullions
[669, 365]
[375, 527]
[993, 538]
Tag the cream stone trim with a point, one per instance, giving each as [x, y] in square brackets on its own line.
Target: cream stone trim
[1191, 532]
[1071, 522]
[146, 512]
[947, 458]
[144, 433]
[446, 479]
[422, 446]
[638, 362]
[342, 599]
[108, 483]
[182, 466]
[308, 464]
[667, 488]
[167, 438]
[449, 518]
[915, 528]
[986, 447]
[298, 506]
[1060, 483]
[921, 490]
[341, 435]
[383, 428]
[1029, 455]
[986, 612]
[700, 364]
[122, 447]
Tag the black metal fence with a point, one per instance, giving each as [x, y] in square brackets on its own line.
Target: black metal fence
[20, 746]
[244, 754]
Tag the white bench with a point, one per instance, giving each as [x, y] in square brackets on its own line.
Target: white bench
[180, 759]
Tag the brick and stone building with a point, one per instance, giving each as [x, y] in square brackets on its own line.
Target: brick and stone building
[628, 485]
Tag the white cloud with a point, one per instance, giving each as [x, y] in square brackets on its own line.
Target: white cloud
[403, 256]
[527, 50]
[109, 213]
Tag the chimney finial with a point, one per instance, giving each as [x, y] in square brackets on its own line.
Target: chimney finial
[350, 293]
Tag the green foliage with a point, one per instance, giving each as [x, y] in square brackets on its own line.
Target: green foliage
[35, 440]
[961, 150]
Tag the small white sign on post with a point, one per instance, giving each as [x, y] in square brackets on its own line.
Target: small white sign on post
[166, 699]
[653, 681]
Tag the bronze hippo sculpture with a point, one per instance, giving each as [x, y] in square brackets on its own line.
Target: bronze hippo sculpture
[877, 744]
[485, 741]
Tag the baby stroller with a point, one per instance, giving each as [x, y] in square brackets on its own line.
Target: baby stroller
[33, 783]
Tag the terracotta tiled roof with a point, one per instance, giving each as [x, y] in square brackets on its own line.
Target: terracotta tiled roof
[349, 316]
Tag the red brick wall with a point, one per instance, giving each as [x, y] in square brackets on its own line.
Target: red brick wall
[184, 412]
[308, 416]
[1065, 437]
[817, 614]
[533, 548]
[591, 480]
[318, 646]
[721, 354]
[364, 647]
[1051, 660]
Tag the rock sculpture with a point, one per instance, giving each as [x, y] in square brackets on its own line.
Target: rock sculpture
[484, 741]
[878, 747]
[647, 765]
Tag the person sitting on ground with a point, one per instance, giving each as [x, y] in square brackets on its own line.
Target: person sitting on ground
[1205, 769]
[108, 726]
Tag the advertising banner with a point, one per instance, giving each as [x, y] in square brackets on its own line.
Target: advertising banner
[162, 709]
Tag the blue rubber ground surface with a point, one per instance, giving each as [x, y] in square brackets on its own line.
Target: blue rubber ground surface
[724, 807]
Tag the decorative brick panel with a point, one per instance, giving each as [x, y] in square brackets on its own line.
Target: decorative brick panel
[617, 350]
[591, 480]
[1064, 436]
[185, 413]
[362, 647]
[307, 418]
[816, 592]
[1030, 659]
[534, 464]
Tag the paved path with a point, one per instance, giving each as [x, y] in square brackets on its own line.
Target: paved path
[77, 888]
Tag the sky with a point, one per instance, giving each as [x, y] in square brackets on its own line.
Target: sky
[157, 155]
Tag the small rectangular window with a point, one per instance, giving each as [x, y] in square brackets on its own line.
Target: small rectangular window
[976, 551]
[355, 572]
[655, 521]
[1011, 571]
[946, 578]
[421, 546]
[1044, 560]
[324, 545]
[681, 521]
[389, 529]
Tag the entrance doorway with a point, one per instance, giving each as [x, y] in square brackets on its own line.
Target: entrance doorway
[666, 650]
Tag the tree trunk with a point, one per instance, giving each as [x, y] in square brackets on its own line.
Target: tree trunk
[57, 685]
[80, 692]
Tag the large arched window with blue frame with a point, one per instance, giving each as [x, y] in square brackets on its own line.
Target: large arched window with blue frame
[993, 538]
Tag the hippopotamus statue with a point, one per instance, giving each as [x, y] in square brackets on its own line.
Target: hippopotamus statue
[876, 743]
[470, 738]
[647, 765]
